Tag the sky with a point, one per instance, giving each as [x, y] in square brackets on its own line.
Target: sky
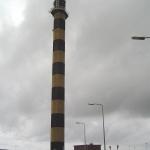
[103, 65]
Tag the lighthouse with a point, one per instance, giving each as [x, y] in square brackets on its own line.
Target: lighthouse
[58, 76]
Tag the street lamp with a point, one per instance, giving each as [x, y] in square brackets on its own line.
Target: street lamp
[93, 104]
[140, 37]
[82, 123]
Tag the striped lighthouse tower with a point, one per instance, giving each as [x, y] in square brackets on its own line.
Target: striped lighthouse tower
[58, 76]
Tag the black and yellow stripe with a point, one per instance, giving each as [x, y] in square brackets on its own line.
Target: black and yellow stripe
[58, 81]
[58, 56]
[59, 44]
[58, 68]
[59, 22]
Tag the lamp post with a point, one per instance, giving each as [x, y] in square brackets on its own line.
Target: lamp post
[82, 123]
[140, 37]
[102, 106]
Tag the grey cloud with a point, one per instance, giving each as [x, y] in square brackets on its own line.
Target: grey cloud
[102, 65]
[106, 65]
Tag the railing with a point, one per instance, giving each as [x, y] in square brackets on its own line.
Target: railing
[59, 7]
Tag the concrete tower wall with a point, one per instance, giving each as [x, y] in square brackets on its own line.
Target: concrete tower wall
[58, 76]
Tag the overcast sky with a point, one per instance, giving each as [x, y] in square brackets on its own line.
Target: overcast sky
[103, 65]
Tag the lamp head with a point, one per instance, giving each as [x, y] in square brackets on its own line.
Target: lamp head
[138, 38]
[91, 104]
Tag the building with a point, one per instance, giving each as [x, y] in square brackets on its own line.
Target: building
[87, 147]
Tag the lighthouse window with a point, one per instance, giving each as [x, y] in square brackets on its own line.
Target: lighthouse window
[57, 3]
[62, 3]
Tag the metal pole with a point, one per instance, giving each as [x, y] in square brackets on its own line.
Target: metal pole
[103, 127]
[84, 134]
